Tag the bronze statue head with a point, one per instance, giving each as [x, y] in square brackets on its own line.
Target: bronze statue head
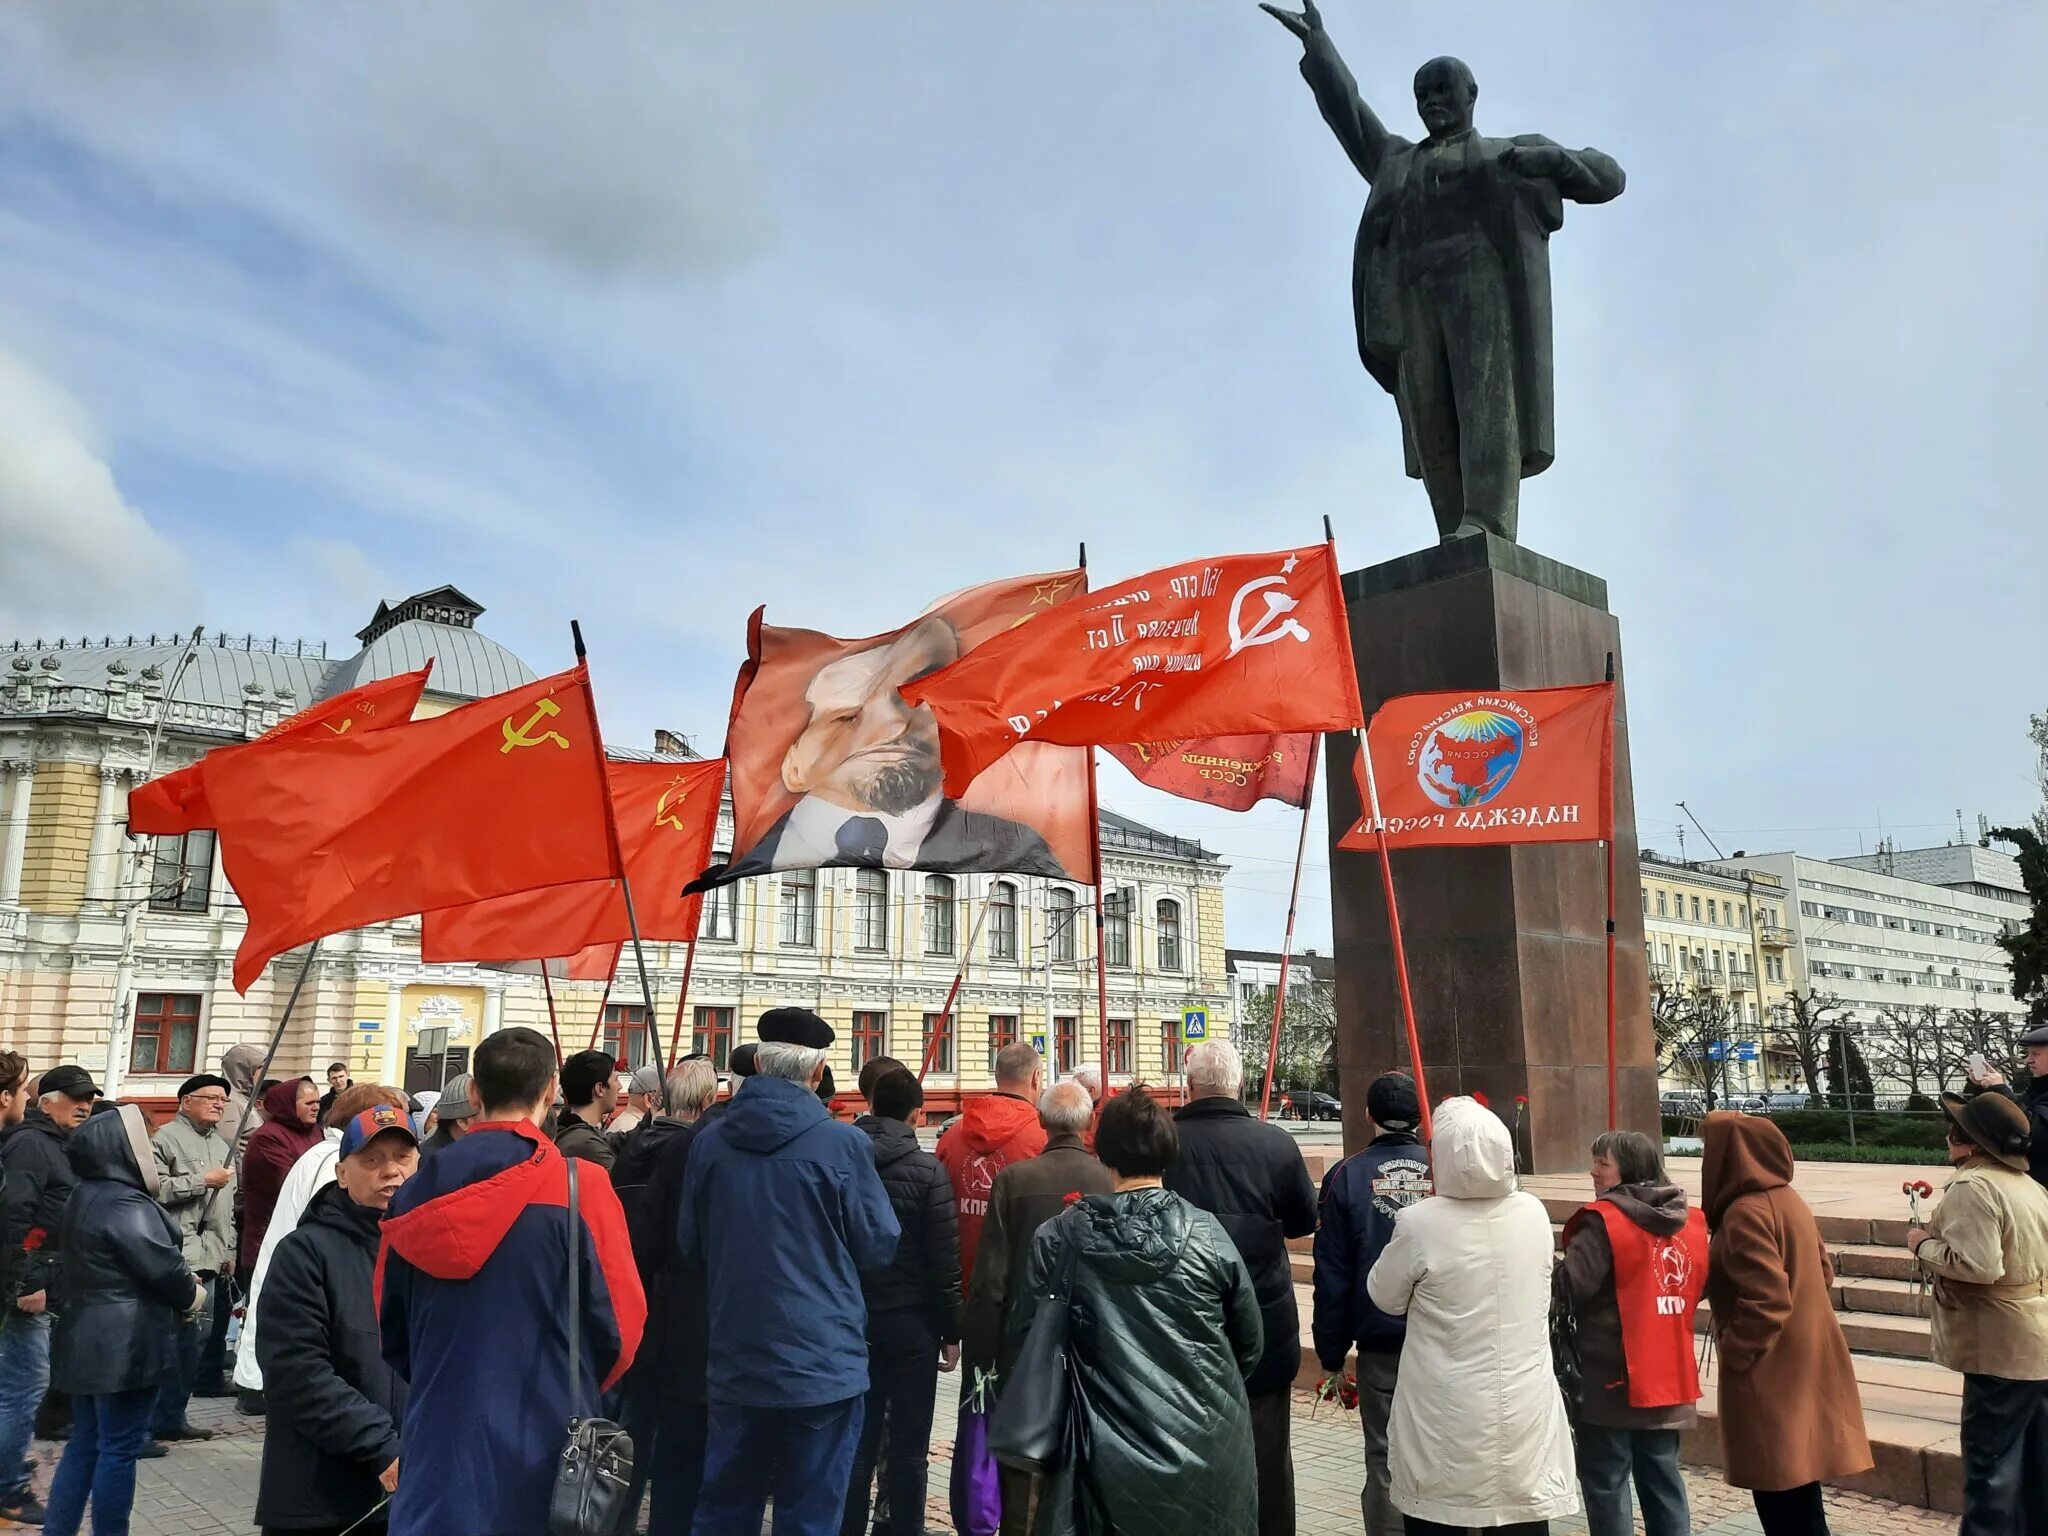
[1444, 96]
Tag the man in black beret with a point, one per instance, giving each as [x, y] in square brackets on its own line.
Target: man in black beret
[192, 1164]
[795, 1026]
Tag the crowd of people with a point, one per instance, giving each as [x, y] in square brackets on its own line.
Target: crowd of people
[764, 1296]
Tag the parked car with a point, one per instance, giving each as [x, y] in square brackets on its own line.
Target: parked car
[1682, 1103]
[1308, 1104]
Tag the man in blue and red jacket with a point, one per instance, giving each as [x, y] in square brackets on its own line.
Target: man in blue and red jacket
[472, 1303]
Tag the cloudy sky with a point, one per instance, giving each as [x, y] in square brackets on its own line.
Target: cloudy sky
[599, 310]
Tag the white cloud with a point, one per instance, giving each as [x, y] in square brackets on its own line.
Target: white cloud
[73, 553]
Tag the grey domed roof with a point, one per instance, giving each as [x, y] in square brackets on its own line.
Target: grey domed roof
[467, 664]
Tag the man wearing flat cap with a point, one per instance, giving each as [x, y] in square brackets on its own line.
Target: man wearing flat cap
[1987, 1249]
[783, 1211]
[195, 1185]
[2034, 1046]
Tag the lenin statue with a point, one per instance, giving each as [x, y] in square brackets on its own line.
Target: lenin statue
[1450, 279]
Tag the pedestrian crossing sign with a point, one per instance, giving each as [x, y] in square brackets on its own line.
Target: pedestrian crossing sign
[1194, 1025]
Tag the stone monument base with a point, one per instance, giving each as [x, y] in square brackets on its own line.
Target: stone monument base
[1506, 945]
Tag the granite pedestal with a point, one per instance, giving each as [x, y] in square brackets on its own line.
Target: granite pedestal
[1506, 945]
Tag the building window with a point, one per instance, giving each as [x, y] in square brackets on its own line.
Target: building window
[1169, 1047]
[166, 1031]
[1713, 910]
[711, 1035]
[181, 879]
[1116, 932]
[871, 909]
[1063, 1060]
[1742, 916]
[721, 908]
[800, 907]
[938, 915]
[1002, 921]
[1695, 909]
[625, 1034]
[1059, 917]
[870, 1037]
[1169, 935]
[1646, 901]
[1119, 1047]
[1660, 903]
[941, 1025]
[1002, 1031]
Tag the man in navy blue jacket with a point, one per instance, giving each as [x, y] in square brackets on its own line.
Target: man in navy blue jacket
[784, 1210]
[1361, 1197]
[472, 1282]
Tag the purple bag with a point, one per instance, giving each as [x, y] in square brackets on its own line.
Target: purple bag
[977, 1497]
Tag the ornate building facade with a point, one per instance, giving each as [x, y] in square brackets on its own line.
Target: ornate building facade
[116, 952]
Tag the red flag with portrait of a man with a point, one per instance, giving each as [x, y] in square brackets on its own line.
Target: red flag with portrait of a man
[830, 765]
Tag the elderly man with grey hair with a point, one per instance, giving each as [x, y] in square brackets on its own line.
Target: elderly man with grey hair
[1024, 1197]
[1251, 1177]
[783, 1210]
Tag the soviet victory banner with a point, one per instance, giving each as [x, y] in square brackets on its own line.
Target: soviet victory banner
[667, 816]
[1234, 772]
[1504, 765]
[502, 795]
[1230, 646]
[831, 766]
[177, 801]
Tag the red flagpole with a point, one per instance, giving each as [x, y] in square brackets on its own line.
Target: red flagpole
[1372, 790]
[597, 1023]
[1607, 822]
[1101, 958]
[554, 1025]
[1287, 945]
[945, 1024]
[675, 1036]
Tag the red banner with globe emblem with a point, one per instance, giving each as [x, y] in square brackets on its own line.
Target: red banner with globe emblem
[1502, 765]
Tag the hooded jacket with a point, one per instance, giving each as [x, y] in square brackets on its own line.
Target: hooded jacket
[1355, 1221]
[1163, 1329]
[1249, 1175]
[577, 1137]
[126, 1283]
[783, 1210]
[925, 1274]
[994, 1131]
[39, 1185]
[1587, 1271]
[1790, 1413]
[1478, 1435]
[333, 1403]
[266, 1159]
[475, 1254]
[239, 1064]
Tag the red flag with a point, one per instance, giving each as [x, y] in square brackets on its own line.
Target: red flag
[1507, 765]
[831, 767]
[177, 801]
[502, 795]
[1238, 645]
[667, 815]
[1235, 772]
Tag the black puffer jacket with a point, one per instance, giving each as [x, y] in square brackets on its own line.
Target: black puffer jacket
[1165, 1328]
[1249, 1175]
[334, 1405]
[926, 1270]
[39, 1185]
[125, 1280]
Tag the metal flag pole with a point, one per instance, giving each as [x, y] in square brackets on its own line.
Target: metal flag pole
[939, 1031]
[1101, 955]
[1287, 945]
[611, 827]
[547, 986]
[1372, 792]
[291, 1003]
[604, 1000]
[1607, 822]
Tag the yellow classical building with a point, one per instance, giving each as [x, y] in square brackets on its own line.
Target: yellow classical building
[116, 952]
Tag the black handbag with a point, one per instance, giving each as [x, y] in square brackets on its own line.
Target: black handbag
[1564, 1343]
[1028, 1427]
[589, 1497]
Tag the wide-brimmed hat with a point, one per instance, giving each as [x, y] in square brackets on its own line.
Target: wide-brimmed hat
[1997, 1126]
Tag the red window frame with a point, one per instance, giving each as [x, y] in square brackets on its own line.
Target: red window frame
[944, 1061]
[159, 1016]
[1119, 1062]
[711, 1035]
[1002, 1031]
[624, 1025]
[870, 1034]
[1170, 1047]
[1063, 1057]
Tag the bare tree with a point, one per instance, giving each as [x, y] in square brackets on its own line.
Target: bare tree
[1910, 1048]
[1308, 1034]
[1690, 1022]
[1805, 1025]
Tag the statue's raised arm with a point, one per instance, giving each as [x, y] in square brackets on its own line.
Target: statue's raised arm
[1355, 124]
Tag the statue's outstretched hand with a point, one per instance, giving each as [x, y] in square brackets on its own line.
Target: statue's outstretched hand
[1303, 24]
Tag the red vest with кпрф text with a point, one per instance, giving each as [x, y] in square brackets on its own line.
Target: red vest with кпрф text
[1658, 1282]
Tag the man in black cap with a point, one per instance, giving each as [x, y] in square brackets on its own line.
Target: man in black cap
[39, 1185]
[2034, 1044]
[193, 1180]
[1361, 1197]
[1987, 1248]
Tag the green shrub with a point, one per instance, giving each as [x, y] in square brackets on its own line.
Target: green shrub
[1864, 1152]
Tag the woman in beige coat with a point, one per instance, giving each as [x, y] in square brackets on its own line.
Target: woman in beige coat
[1790, 1416]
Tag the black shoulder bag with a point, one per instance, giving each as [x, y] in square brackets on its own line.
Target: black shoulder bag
[1027, 1429]
[589, 1497]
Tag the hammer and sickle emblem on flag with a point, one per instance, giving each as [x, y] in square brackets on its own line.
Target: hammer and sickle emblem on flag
[520, 736]
[339, 730]
[665, 808]
[1273, 624]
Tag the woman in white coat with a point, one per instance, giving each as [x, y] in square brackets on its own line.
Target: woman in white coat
[1478, 1439]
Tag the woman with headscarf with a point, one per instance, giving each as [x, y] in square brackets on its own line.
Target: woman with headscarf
[1790, 1414]
[291, 1124]
[127, 1288]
